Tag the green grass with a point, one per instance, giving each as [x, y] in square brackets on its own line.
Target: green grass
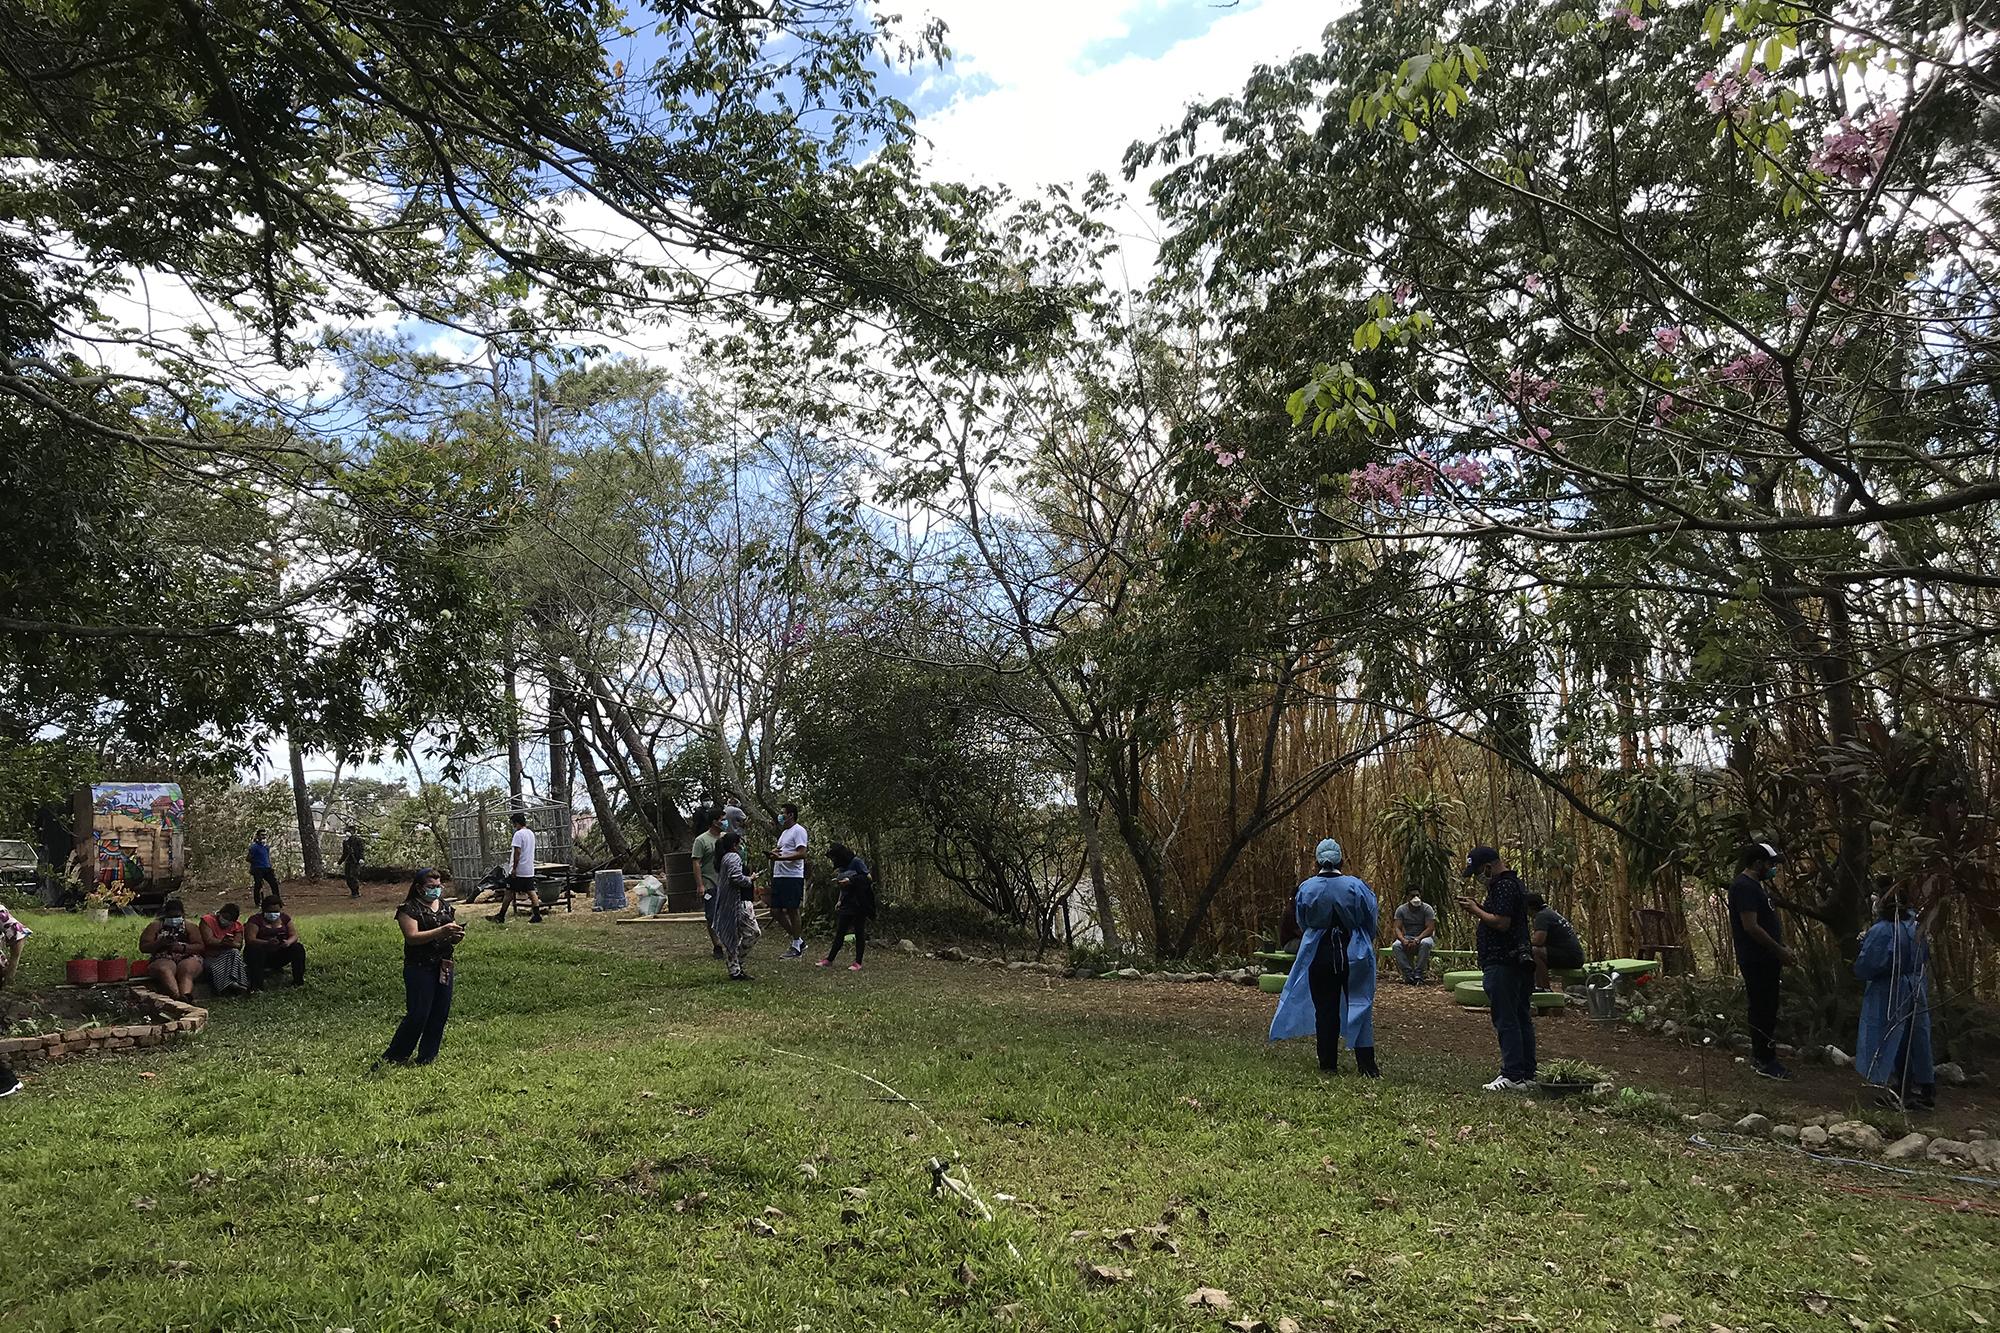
[604, 1126]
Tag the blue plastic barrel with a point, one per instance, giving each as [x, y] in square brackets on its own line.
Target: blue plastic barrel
[609, 891]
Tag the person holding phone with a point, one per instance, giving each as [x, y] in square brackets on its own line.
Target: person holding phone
[175, 959]
[430, 936]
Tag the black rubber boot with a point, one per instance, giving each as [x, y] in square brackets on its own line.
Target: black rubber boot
[1364, 1060]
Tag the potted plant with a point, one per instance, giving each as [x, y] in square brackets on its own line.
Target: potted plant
[1567, 1077]
[100, 900]
[112, 967]
[81, 971]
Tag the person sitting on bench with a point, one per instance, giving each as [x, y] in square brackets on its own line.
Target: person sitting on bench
[1416, 937]
[271, 944]
[1554, 940]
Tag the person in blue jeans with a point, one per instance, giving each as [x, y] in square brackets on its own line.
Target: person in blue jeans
[430, 934]
[261, 873]
[1507, 966]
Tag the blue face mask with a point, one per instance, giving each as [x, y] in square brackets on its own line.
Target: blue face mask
[432, 893]
[173, 922]
[1770, 872]
[272, 916]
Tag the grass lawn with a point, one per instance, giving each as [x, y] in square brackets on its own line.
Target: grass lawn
[611, 1121]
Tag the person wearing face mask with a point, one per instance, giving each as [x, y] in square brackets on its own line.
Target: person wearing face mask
[175, 956]
[221, 937]
[1416, 938]
[272, 944]
[1761, 954]
[1893, 1046]
[430, 935]
[1330, 994]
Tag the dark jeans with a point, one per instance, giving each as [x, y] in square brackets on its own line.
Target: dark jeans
[1327, 980]
[259, 961]
[1760, 989]
[426, 1008]
[842, 925]
[353, 874]
[1510, 990]
[261, 876]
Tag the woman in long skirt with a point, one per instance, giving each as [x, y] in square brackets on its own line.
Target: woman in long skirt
[735, 921]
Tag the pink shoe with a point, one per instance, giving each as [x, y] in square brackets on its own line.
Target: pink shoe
[854, 967]
[820, 963]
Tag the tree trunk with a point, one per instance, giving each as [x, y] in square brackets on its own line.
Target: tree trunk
[1093, 847]
[515, 776]
[559, 788]
[615, 845]
[302, 802]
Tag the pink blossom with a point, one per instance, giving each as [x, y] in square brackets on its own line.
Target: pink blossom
[1668, 339]
[1524, 389]
[1403, 293]
[1666, 408]
[1632, 18]
[1753, 373]
[1408, 478]
[1464, 471]
[1854, 153]
[1598, 398]
[1624, 326]
[1225, 457]
[1730, 94]
[1535, 441]
[1533, 282]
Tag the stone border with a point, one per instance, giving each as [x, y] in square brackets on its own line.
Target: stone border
[172, 1020]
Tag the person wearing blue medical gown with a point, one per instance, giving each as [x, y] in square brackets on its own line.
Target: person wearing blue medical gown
[1894, 1045]
[1330, 993]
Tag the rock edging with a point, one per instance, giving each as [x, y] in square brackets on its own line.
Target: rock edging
[174, 1020]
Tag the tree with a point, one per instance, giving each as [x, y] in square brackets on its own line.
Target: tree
[1670, 328]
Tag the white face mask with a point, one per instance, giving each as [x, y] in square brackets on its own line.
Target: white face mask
[272, 916]
[173, 922]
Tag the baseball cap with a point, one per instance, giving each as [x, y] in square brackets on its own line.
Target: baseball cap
[1479, 856]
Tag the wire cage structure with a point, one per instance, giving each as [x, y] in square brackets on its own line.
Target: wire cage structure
[480, 831]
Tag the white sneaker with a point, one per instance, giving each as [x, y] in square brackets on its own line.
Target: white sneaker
[1505, 1084]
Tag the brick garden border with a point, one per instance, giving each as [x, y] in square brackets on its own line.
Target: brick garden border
[172, 1020]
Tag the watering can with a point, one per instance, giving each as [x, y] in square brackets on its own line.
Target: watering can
[1600, 997]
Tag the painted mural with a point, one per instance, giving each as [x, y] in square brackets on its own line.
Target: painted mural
[136, 832]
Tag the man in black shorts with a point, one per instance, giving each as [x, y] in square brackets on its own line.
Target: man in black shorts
[1554, 939]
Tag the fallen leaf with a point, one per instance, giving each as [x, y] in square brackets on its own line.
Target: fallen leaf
[1669, 1321]
[144, 1205]
[809, 1171]
[147, 1073]
[1126, 1240]
[1209, 1298]
[759, 1227]
[1102, 1273]
[1355, 1277]
[648, 1094]
[1287, 1324]
[1007, 1312]
[1247, 1325]
[1464, 1133]
[773, 1212]
[179, 1267]
[966, 1277]
[854, 1192]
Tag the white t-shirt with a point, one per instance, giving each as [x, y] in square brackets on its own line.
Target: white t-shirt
[792, 839]
[524, 842]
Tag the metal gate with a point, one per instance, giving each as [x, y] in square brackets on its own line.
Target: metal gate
[480, 832]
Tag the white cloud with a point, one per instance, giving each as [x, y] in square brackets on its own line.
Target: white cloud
[1052, 115]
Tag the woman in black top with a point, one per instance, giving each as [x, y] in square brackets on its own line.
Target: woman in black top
[429, 935]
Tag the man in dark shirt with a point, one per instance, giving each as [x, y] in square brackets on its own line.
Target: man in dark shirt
[1553, 938]
[1507, 967]
[351, 852]
[1760, 951]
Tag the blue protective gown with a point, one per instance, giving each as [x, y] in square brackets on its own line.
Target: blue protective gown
[1896, 1006]
[1322, 901]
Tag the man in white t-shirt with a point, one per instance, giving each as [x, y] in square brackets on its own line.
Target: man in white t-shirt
[521, 873]
[788, 878]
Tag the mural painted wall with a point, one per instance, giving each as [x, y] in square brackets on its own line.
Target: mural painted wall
[135, 832]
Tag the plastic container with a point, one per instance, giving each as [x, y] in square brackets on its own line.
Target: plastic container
[608, 891]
